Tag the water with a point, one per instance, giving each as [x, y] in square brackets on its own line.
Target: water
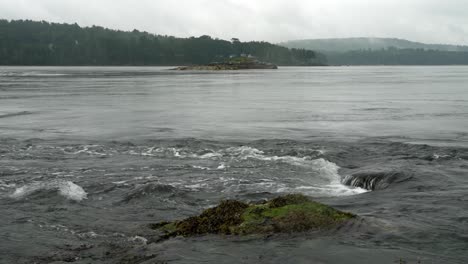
[90, 156]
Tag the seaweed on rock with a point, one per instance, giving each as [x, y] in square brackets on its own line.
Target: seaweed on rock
[284, 214]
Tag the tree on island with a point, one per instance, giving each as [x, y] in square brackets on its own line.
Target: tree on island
[25, 42]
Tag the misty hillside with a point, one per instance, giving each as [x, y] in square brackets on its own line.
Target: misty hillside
[350, 44]
[25, 42]
[383, 51]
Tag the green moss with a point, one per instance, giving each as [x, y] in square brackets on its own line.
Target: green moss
[290, 213]
[171, 227]
[288, 199]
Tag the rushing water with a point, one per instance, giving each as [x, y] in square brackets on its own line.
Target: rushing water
[90, 156]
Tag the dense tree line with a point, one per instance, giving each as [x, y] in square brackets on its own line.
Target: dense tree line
[24, 42]
[394, 56]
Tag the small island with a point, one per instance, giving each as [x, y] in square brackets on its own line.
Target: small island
[284, 214]
[235, 63]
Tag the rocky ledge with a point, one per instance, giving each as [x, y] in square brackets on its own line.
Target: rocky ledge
[285, 214]
[241, 63]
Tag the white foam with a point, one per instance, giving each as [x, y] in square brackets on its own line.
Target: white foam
[331, 190]
[150, 152]
[324, 168]
[90, 234]
[72, 191]
[327, 181]
[119, 182]
[196, 186]
[88, 150]
[210, 155]
[67, 189]
[436, 156]
[176, 152]
[330, 170]
[222, 166]
[201, 167]
[138, 240]
[245, 152]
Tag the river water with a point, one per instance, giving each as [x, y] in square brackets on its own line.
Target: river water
[89, 156]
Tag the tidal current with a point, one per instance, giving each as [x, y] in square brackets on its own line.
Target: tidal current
[90, 156]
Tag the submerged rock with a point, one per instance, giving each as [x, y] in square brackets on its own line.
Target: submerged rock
[285, 214]
[239, 63]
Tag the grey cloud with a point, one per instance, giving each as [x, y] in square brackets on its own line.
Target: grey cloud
[272, 20]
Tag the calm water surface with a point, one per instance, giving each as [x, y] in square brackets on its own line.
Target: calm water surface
[416, 103]
[89, 156]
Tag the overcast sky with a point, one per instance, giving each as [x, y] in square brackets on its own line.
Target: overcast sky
[432, 21]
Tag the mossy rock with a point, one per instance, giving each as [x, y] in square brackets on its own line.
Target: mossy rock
[284, 214]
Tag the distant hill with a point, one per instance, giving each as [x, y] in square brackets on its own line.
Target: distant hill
[25, 42]
[351, 44]
[383, 51]
[394, 56]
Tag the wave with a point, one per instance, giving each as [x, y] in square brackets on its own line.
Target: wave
[375, 180]
[90, 150]
[325, 180]
[436, 156]
[221, 166]
[150, 189]
[305, 170]
[6, 186]
[16, 114]
[329, 171]
[31, 74]
[238, 153]
[66, 189]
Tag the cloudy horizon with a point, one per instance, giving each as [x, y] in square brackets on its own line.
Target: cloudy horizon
[429, 21]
